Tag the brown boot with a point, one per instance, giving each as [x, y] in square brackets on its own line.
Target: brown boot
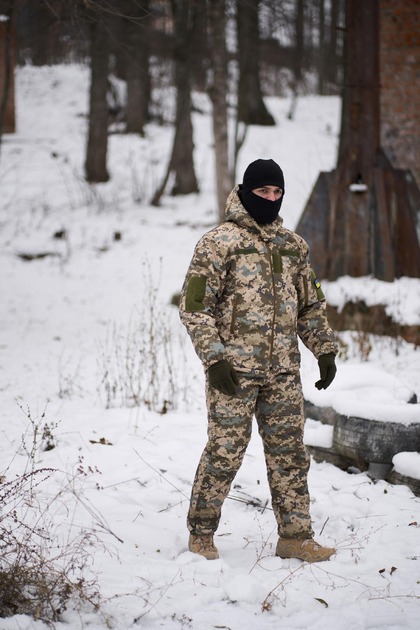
[304, 549]
[203, 545]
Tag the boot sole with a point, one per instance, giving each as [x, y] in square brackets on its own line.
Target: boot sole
[312, 558]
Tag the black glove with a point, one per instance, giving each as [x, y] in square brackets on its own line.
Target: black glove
[327, 369]
[223, 377]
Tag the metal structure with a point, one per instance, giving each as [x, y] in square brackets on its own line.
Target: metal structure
[361, 218]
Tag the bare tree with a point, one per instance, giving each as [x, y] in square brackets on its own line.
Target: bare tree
[181, 163]
[95, 165]
[251, 106]
[321, 47]
[333, 42]
[136, 23]
[218, 95]
[199, 63]
[299, 24]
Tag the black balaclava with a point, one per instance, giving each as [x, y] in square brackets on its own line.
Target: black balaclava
[258, 174]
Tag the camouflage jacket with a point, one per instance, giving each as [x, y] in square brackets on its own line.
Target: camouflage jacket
[248, 293]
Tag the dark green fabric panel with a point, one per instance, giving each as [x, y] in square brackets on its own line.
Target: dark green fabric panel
[250, 250]
[289, 252]
[277, 263]
[196, 290]
[319, 293]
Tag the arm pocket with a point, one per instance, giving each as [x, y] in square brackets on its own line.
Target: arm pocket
[196, 290]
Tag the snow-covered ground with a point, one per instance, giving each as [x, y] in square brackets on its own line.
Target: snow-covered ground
[72, 325]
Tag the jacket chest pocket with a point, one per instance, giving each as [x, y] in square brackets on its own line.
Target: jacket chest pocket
[285, 262]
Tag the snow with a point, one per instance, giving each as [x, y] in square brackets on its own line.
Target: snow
[69, 315]
[407, 464]
[318, 434]
[368, 392]
[401, 297]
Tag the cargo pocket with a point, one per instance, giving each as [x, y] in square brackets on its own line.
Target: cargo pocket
[278, 258]
[196, 290]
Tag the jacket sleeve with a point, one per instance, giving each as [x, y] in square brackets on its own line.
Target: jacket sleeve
[203, 286]
[313, 327]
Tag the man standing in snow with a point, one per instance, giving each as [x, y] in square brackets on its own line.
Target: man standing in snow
[249, 292]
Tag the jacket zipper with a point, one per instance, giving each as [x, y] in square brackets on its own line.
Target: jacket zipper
[270, 260]
[232, 323]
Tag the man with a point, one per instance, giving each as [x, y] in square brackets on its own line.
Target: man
[248, 293]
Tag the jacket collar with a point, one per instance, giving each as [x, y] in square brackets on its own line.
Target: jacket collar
[235, 212]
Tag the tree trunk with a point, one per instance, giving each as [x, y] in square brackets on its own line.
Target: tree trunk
[95, 165]
[136, 27]
[251, 107]
[182, 156]
[218, 95]
[298, 55]
[360, 117]
[7, 101]
[41, 34]
[332, 45]
[181, 164]
[321, 48]
[200, 46]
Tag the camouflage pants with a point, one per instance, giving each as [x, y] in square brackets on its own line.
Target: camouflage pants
[277, 403]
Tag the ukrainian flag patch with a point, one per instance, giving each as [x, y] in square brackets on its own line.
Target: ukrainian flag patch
[319, 293]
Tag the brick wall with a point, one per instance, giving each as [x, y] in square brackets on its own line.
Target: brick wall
[400, 82]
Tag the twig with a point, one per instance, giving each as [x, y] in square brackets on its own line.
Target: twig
[265, 605]
[254, 503]
[101, 522]
[394, 597]
[158, 600]
[119, 483]
[324, 525]
[265, 543]
[250, 502]
[160, 475]
[169, 506]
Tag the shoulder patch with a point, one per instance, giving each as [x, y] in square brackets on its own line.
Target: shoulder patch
[196, 290]
[317, 286]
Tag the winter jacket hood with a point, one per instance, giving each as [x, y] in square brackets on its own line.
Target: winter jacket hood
[235, 212]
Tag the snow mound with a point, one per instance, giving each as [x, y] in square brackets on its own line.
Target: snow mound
[407, 464]
[366, 391]
[400, 297]
[245, 588]
[318, 434]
